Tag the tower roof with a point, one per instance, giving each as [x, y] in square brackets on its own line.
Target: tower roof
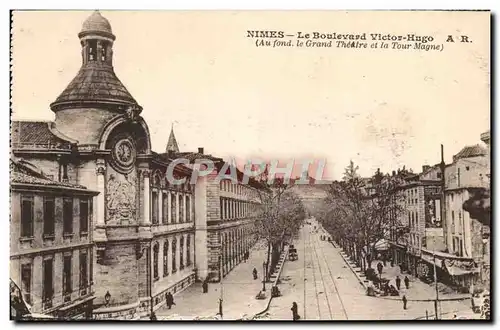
[96, 81]
[96, 23]
[172, 142]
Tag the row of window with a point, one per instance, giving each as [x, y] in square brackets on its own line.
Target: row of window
[173, 253]
[413, 219]
[229, 186]
[412, 196]
[49, 215]
[159, 182]
[171, 201]
[48, 276]
[234, 209]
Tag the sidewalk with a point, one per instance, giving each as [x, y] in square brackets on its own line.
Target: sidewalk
[238, 291]
[418, 290]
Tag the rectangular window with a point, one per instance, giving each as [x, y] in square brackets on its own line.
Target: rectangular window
[48, 283]
[181, 208]
[84, 282]
[188, 208]
[67, 215]
[154, 204]
[26, 275]
[48, 216]
[165, 207]
[67, 285]
[173, 204]
[221, 201]
[84, 216]
[27, 216]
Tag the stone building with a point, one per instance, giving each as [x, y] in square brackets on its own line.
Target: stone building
[463, 235]
[143, 225]
[51, 243]
[224, 214]
[420, 216]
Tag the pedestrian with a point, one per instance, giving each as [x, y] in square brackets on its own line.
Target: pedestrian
[407, 282]
[404, 301]
[295, 312]
[398, 283]
[385, 260]
[205, 286]
[170, 300]
[220, 307]
[254, 273]
[392, 262]
[153, 316]
[380, 267]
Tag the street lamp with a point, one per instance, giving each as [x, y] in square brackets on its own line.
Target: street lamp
[264, 276]
[107, 298]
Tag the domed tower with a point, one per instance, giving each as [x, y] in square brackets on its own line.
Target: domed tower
[112, 157]
[96, 94]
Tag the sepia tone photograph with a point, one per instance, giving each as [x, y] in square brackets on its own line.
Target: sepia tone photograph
[250, 165]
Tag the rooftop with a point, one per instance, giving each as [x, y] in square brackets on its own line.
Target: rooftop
[38, 134]
[470, 151]
[25, 173]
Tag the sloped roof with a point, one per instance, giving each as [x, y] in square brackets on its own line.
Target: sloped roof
[470, 151]
[22, 174]
[36, 132]
[95, 83]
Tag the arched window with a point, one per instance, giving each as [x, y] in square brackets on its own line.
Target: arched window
[92, 50]
[174, 250]
[188, 250]
[155, 261]
[165, 258]
[181, 253]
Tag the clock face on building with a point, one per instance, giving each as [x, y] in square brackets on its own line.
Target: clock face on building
[124, 154]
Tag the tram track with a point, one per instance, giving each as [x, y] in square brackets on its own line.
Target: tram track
[332, 277]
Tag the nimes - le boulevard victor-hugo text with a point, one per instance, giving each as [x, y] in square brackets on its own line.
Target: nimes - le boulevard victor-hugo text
[339, 40]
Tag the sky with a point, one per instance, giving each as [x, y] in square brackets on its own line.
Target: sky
[199, 71]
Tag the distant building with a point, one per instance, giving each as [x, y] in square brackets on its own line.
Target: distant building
[51, 242]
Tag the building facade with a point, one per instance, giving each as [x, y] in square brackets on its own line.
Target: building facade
[224, 214]
[464, 235]
[51, 243]
[143, 226]
[420, 218]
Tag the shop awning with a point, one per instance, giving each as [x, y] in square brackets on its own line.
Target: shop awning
[458, 267]
[453, 267]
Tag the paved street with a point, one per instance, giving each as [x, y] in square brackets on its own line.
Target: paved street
[238, 291]
[325, 288]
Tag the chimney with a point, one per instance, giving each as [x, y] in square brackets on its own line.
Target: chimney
[425, 168]
[200, 150]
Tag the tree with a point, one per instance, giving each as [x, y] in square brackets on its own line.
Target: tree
[279, 216]
[360, 211]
